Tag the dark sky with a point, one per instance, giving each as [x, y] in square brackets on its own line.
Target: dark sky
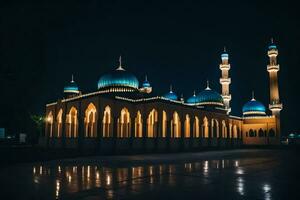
[42, 44]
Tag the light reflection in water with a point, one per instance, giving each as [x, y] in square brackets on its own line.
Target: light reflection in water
[78, 178]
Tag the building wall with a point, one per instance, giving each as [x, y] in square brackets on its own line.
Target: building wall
[196, 128]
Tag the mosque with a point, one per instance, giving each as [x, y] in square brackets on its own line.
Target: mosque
[124, 115]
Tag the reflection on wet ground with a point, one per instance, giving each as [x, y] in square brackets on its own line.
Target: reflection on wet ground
[263, 177]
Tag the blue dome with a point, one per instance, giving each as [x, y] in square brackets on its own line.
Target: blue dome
[171, 95]
[71, 88]
[117, 78]
[192, 100]
[224, 56]
[272, 46]
[254, 107]
[209, 96]
[146, 84]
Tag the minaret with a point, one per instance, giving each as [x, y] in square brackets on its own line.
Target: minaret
[275, 105]
[225, 80]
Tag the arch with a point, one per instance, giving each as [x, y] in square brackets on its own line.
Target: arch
[196, 130]
[187, 126]
[175, 126]
[90, 121]
[224, 129]
[215, 128]
[72, 123]
[49, 120]
[272, 133]
[230, 130]
[235, 131]
[261, 133]
[205, 131]
[138, 129]
[107, 122]
[124, 124]
[164, 124]
[59, 123]
[252, 133]
[152, 124]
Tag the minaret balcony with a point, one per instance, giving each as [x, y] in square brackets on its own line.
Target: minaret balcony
[275, 107]
[226, 97]
[225, 81]
[224, 66]
[272, 52]
[273, 68]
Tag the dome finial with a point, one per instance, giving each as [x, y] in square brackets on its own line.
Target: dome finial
[194, 93]
[171, 89]
[224, 49]
[272, 40]
[72, 80]
[253, 99]
[146, 79]
[207, 85]
[120, 64]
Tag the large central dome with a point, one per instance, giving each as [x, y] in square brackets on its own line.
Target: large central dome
[209, 97]
[118, 78]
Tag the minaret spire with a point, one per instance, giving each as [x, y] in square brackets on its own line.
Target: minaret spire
[207, 85]
[120, 64]
[253, 98]
[225, 80]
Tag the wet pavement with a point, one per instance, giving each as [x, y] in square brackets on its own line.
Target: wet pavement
[234, 174]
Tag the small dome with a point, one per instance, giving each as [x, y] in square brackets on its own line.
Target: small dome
[193, 99]
[171, 95]
[272, 46]
[118, 78]
[146, 83]
[71, 87]
[254, 107]
[209, 97]
[224, 55]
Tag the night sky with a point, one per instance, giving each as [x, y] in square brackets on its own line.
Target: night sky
[42, 44]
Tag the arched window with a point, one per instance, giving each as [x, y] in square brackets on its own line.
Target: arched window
[152, 124]
[261, 133]
[138, 126]
[49, 120]
[124, 124]
[107, 122]
[251, 133]
[187, 126]
[224, 129]
[272, 133]
[214, 128]
[196, 131]
[72, 123]
[230, 130]
[205, 128]
[90, 121]
[59, 123]
[235, 131]
[175, 126]
[164, 124]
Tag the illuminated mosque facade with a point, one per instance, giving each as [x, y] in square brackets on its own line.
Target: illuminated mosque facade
[124, 116]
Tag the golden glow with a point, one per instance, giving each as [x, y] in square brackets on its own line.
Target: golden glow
[196, 130]
[107, 122]
[176, 126]
[59, 123]
[90, 121]
[124, 125]
[205, 127]
[215, 128]
[138, 129]
[224, 129]
[187, 126]
[164, 124]
[152, 124]
[72, 123]
[49, 124]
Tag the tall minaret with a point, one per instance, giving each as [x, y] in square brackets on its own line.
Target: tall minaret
[275, 105]
[225, 80]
